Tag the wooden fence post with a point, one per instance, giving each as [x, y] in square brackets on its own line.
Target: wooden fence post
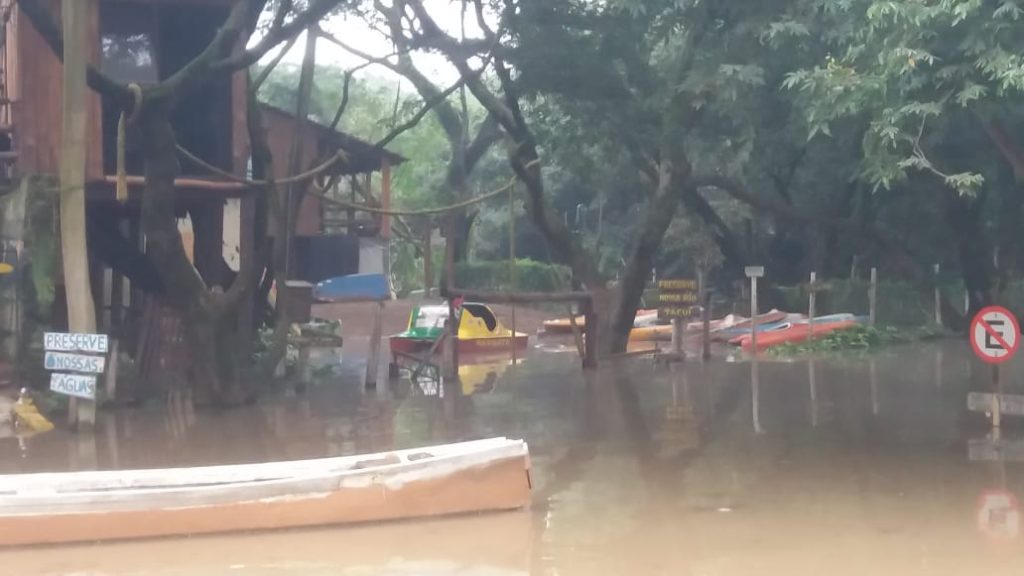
[590, 333]
[428, 264]
[373, 360]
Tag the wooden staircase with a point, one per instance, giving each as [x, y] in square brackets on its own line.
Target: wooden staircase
[8, 149]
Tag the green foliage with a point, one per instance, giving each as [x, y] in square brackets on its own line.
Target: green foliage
[530, 275]
[857, 338]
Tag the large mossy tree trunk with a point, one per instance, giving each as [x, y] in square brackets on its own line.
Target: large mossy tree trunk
[209, 317]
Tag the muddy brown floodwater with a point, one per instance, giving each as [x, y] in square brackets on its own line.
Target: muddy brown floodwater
[842, 467]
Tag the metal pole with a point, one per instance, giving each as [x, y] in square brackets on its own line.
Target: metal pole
[938, 298]
[873, 298]
[812, 296]
[997, 386]
[753, 315]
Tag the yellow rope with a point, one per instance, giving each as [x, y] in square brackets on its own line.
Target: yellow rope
[339, 156]
[121, 189]
[318, 192]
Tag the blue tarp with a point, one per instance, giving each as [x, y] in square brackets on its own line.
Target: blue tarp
[353, 287]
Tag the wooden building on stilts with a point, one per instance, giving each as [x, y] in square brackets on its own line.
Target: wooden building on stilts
[143, 42]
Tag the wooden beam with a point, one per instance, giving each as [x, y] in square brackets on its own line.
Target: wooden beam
[385, 196]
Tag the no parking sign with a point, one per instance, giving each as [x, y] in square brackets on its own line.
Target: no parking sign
[995, 334]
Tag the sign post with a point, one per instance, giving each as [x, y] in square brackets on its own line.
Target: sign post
[76, 359]
[753, 272]
[678, 300]
[995, 337]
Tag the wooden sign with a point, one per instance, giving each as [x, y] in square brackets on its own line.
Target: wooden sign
[78, 357]
[1009, 404]
[77, 385]
[64, 342]
[74, 362]
[678, 299]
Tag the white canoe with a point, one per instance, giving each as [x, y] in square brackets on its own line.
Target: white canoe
[49, 508]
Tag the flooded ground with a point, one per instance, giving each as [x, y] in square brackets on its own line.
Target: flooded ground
[840, 467]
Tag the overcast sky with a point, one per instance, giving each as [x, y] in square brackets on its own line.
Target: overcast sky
[355, 32]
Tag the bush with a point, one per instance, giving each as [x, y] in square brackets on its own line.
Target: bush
[530, 275]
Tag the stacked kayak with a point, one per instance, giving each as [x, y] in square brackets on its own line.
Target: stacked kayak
[798, 331]
[769, 320]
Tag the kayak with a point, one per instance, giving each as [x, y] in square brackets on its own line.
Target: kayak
[795, 333]
[651, 333]
[564, 326]
[744, 327]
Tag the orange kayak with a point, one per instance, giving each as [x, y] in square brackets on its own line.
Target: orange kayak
[795, 333]
[651, 333]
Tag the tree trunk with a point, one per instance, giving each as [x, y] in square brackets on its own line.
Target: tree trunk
[206, 315]
[81, 308]
[660, 212]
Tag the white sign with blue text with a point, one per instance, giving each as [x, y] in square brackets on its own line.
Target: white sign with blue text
[89, 343]
[75, 362]
[77, 385]
[80, 354]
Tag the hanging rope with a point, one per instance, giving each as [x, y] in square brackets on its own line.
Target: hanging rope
[339, 156]
[121, 189]
[424, 212]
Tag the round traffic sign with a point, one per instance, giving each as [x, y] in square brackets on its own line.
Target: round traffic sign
[998, 515]
[995, 334]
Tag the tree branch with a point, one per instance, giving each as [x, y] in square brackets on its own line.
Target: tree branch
[269, 68]
[412, 122]
[316, 12]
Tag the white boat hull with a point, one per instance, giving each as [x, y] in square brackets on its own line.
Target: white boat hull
[487, 475]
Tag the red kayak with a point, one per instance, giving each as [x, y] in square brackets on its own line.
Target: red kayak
[795, 333]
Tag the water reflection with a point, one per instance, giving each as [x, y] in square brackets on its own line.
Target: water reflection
[836, 466]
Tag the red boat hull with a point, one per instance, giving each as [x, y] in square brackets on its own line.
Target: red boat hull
[795, 333]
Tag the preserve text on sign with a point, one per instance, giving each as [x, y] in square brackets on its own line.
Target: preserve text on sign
[77, 385]
[61, 342]
[74, 362]
[995, 334]
[678, 299]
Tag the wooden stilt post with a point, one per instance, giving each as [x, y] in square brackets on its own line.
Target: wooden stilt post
[706, 332]
[110, 378]
[512, 261]
[75, 16]
[373, 359]
[873, 298]
[677, 337]
[450, 351]
[590, 334]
